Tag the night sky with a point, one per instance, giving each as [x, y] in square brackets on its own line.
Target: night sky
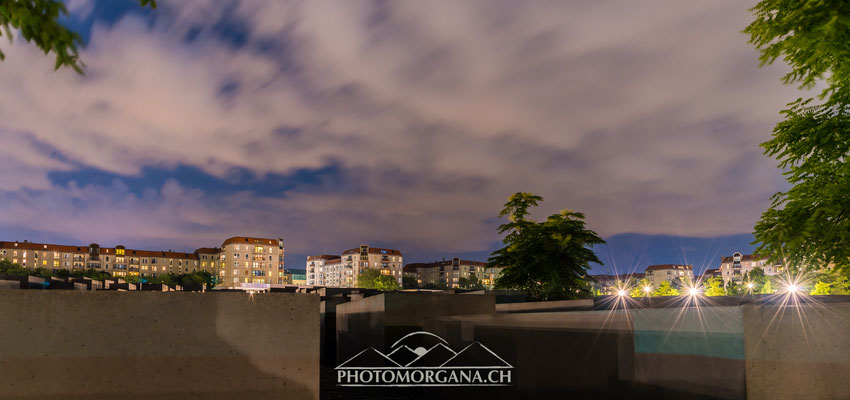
[402, 124]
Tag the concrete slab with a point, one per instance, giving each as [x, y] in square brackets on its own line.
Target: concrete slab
[128, 345]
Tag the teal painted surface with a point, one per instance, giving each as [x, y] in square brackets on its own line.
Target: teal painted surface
[709, 344]
[705, 331]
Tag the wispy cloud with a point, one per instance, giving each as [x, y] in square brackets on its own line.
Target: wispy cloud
[646, 116]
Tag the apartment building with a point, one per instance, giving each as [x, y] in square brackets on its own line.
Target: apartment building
[449, 272]
[342, 271]
[316, 268]
[118, 260]
[668, 272]
[710, 273]
[251, 260]
[737, 266]
[239, 260]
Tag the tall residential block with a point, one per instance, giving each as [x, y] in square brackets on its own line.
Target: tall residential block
[342, 271]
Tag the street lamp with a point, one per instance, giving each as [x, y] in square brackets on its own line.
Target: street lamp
[621, 293]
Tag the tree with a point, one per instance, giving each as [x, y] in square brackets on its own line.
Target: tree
[665, 289]
[366, 278]
[841, 286]
[9, 268]
[38, 21]
[409, 282]
[757, 278]
[41, 272]
[821, 288]
[734, 289]
[640, 289]
[767, 288]
[714, 287]
[386, 283]
[809, 225]
[548, 260]
[471, 283]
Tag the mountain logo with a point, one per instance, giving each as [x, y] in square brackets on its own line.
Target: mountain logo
[425, 359]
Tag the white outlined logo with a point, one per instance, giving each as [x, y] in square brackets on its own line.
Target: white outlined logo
[435, 365]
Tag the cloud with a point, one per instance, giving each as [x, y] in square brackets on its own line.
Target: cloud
[646, 117]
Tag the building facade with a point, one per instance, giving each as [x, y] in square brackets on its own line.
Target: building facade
[239, 260]
[657, 274]
[342, 271]
[448, 273]
[251, 260]
[316, 268]
[737, 266]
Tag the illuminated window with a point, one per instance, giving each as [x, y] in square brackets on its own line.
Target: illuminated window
[258, 249]
[119, 252]
[56, 263]
[235, 272]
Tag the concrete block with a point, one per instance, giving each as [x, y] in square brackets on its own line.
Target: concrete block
[380, 320]
[133, 345]
[797, 351]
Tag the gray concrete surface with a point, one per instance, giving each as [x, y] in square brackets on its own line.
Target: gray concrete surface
[798, 352]
[380, 320]
[133, 345]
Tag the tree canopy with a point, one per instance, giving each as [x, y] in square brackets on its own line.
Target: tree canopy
[370, 278]
[809, 225]
[548, 259]
[665, 289]
[38, 22]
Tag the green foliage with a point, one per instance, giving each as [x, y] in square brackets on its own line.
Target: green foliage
[409, 282]
[548, 260]
[185, 280]
[757, 278]
[841, 286]
[809, 224]
[386, 283]
[733, 288]
[714, 287]
[9, 268]
[41, 272]
[639, 289]
[96, 274]
[471, 283]
[821, 288]
[38, 22]
[366, 278]
[665, 289]
[767, 288]
[373, 279]
[435, 286]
